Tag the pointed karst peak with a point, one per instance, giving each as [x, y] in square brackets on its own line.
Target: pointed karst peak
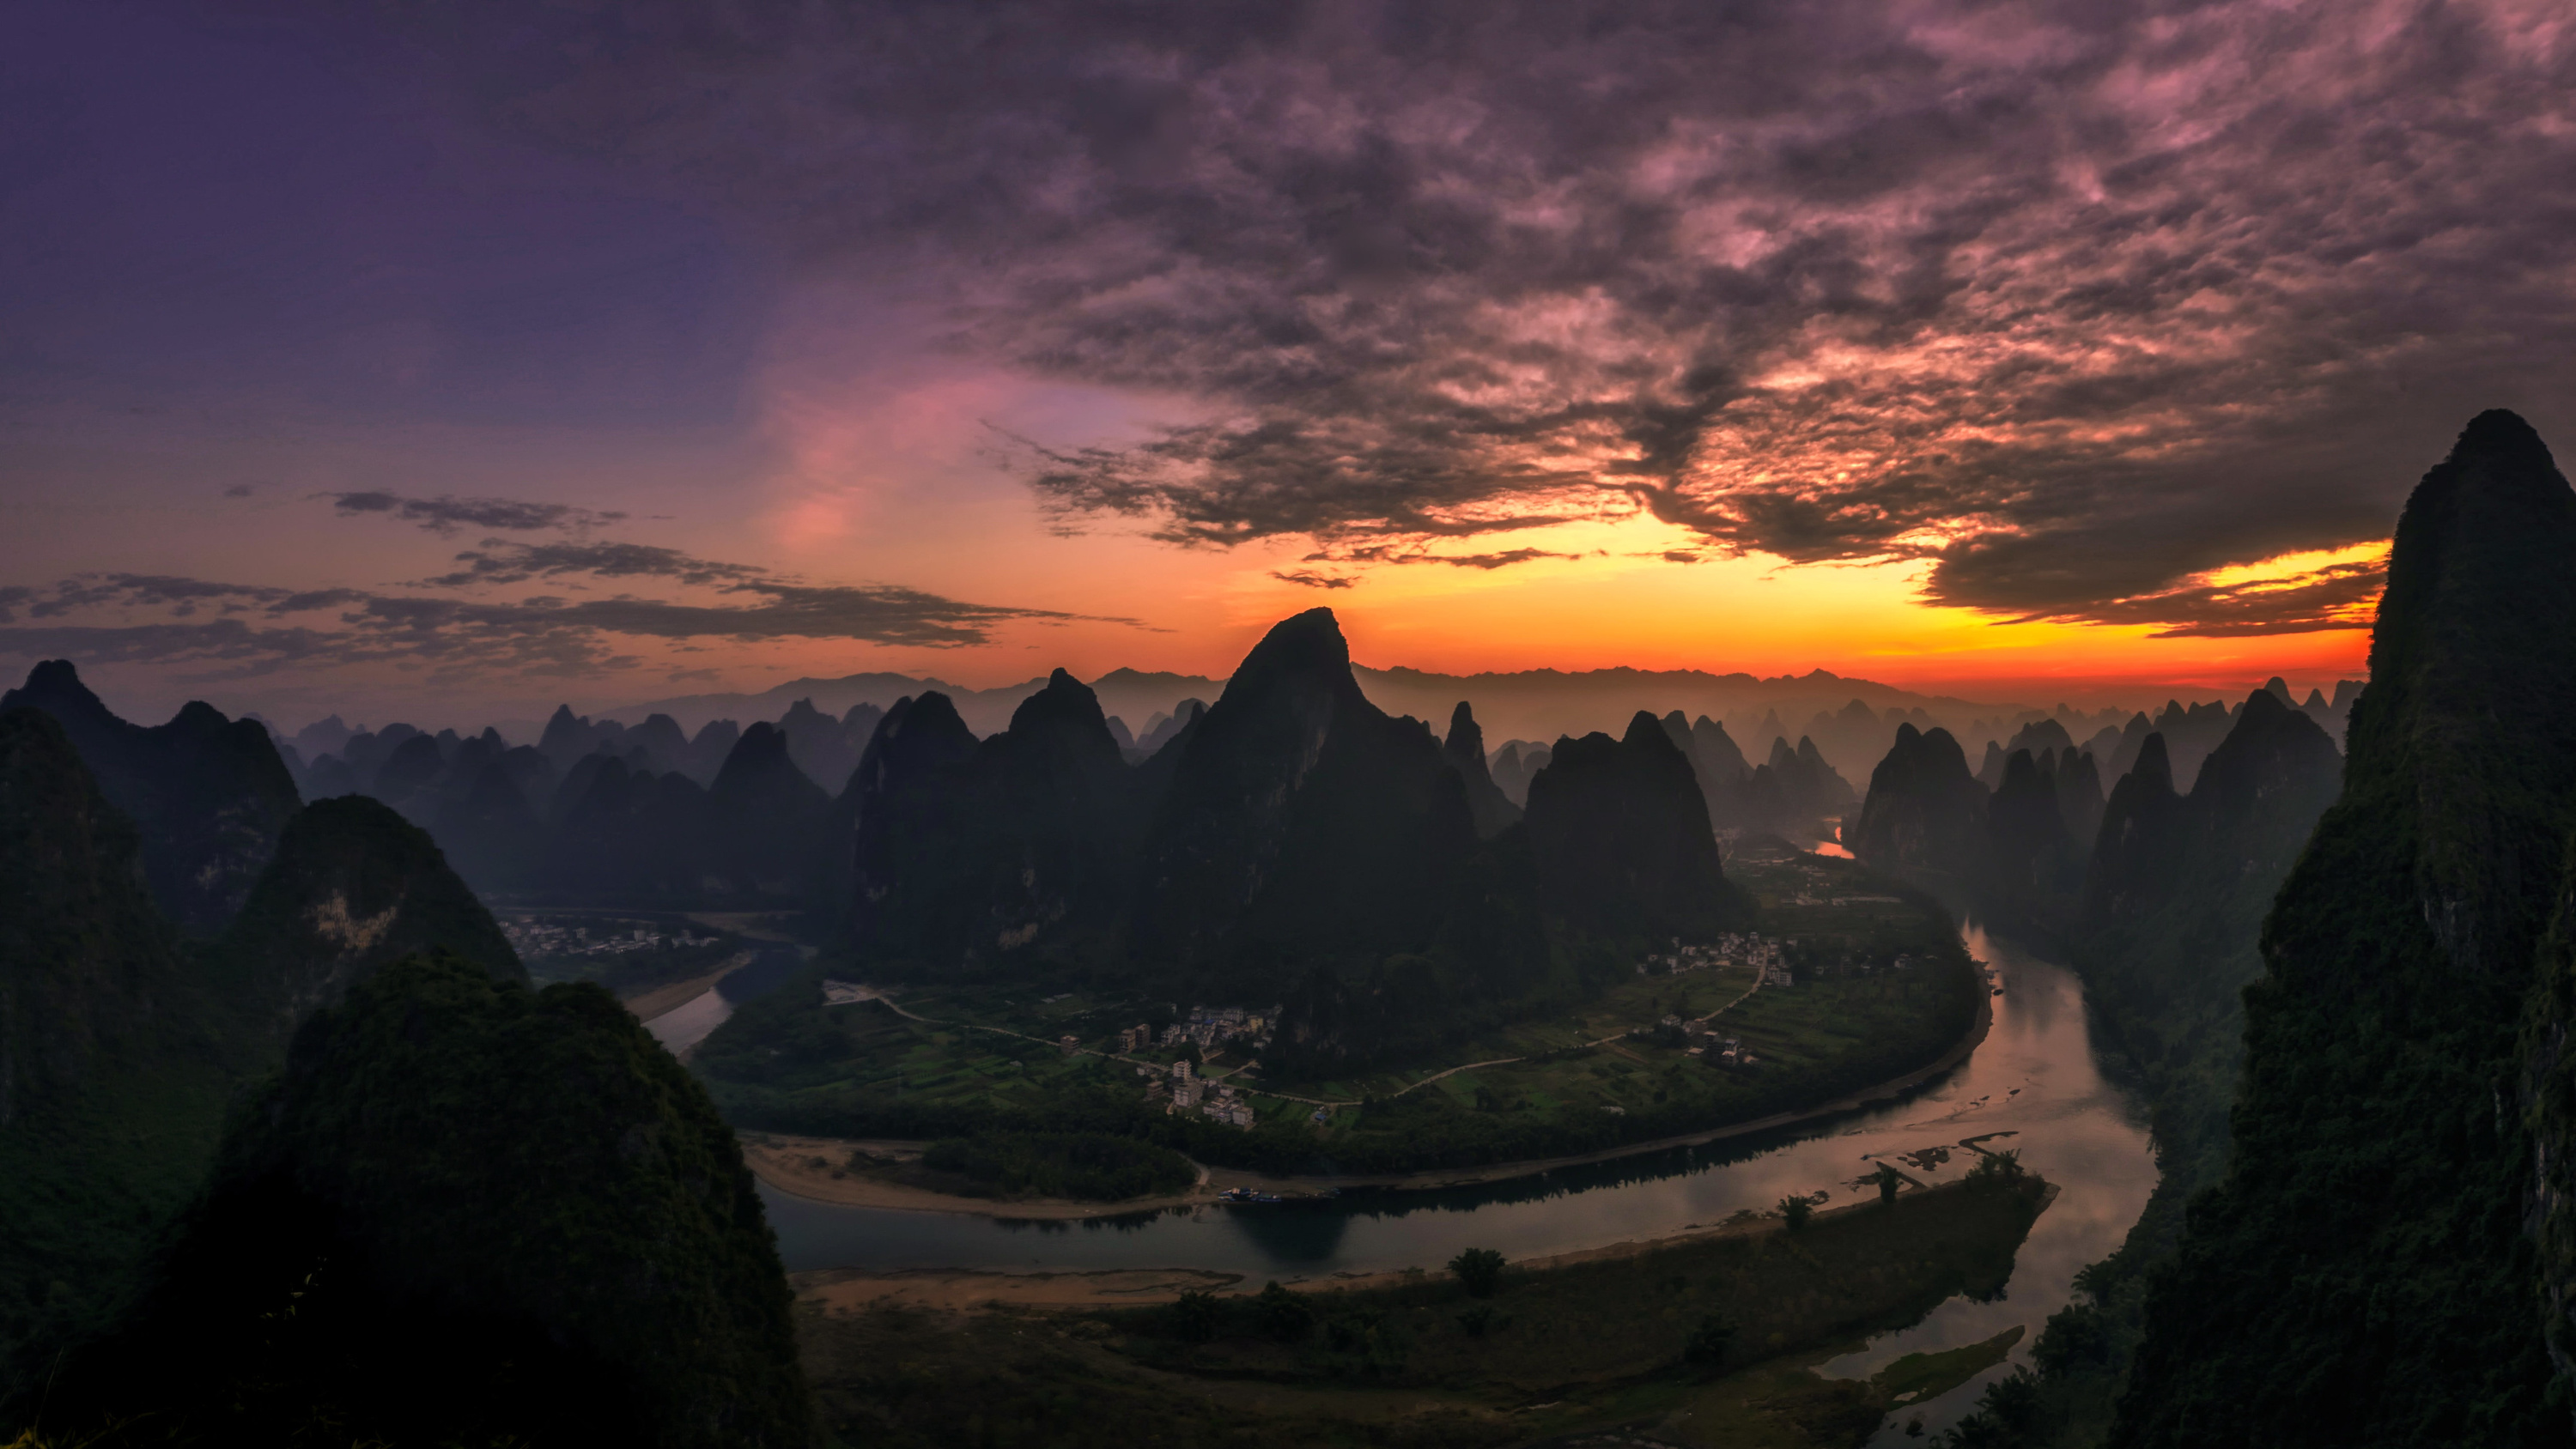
[2154, 763]
[2501, 433]
[1646, 730]
[1065, 708]
[2265, 703]
[1466, 737]
[1307, 643]
[2279, 686]
[55, 687]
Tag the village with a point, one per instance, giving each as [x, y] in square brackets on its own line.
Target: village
[1198, 1036]
[1749, 948]
[536, 938]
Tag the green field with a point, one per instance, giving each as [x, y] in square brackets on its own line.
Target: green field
[1589, 1079]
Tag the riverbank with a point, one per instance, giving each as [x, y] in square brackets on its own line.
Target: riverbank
[957, 1290]
[664, 999]
[1582, 1344]
[787, 1162]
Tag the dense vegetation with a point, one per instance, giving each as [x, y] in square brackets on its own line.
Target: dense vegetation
[789, 1063]
[1092, 1166]
[113, 1073]
[346, 1279]
[2363, 1276]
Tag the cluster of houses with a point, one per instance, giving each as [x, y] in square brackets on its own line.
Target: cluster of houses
[1750, 948]
[1705, 1043]
[536, 938]
[1181, 1089]
[1206, 1028]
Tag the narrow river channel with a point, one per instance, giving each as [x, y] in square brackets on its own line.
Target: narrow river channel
[2034, 1077]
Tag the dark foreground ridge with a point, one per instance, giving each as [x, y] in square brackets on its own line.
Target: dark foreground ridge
[468, 1212]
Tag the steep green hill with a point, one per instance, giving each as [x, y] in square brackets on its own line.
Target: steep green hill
[120, 1048]
[467, 1213]
[2364, 1275]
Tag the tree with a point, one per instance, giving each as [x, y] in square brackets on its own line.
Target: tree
[1706, 1347]
[1194, 1317]
[1285, 1316]
[1479, 1271]
[1888, 1182]
[1795, 1210]
[1476, 1322]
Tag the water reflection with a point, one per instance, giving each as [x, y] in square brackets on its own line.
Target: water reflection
[2033, 1080]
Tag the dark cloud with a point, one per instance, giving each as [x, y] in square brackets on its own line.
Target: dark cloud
[456, 638]
[2072, 301]
[501, 562]
[240, 490]
[446, 515]
[1313, 580]
[2340, 596]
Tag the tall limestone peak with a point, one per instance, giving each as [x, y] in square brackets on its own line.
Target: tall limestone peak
[354, 888]
[1464, 749]
[2138, 851]
[759, 772]
[1924, 812]
[2380, 1046]
[1622, 840]
[971, 851]
[1300, 818]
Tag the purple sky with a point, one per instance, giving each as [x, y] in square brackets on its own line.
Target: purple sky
[507, 352]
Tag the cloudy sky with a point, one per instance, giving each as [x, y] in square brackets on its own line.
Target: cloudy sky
[495, 354]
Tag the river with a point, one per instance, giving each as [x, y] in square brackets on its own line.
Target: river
[2034, 1077]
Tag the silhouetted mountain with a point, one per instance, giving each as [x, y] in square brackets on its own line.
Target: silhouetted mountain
[822, 746]
[467, 1213]
[2133, 740]
[1465, 750]
[2030, 862]
[1622, 841]
[2368, 1273]
[1161, 732]
[1990, 771]
[1302, 824]
[1292, 843]
[207, 794]
[1012, 849]
[2079, 798]
[1925, 814]
[2039, 737]
[767, 821]
[1515, 765]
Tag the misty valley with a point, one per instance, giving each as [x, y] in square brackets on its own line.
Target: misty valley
[1275, 1059]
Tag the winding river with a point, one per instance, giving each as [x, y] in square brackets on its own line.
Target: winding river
[2034, 1077]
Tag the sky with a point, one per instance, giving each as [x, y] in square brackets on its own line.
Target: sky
[453, 357]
